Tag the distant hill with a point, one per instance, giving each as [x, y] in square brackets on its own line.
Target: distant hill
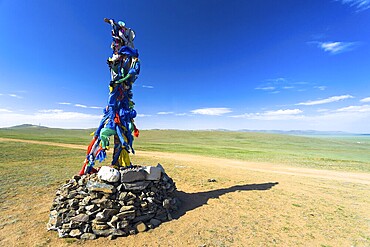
[27, 126]
[284, 132]
[302, 132]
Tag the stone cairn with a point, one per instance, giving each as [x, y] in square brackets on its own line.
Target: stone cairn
[90, 206]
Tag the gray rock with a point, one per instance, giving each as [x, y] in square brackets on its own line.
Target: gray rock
[119, 233]
[91, 208]
[112, 237]
[127, 215]
[88, 236]
[144, 217]
[122, 224]
[161, 167]
[110, 212]
[114, 219]
[122, 195]
[80, 218]
[166, 203]
[86, 200]
[127, 208]
[161, 217]
[99, 187]
[54, 222]
[106, 214]
[155, 222]
[86, 228]
[139, 185]
[152, 173]
[132, 175]
[104, 233]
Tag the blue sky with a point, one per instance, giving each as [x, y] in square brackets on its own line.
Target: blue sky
[289, 64]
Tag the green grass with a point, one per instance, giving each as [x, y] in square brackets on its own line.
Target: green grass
[75, 136]
[346, 153]
[30, 166]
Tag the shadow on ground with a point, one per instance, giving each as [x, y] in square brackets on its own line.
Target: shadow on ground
[190, 201]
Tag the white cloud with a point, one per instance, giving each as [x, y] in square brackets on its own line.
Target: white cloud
[80, 105]
[322, 88]
[268, 88]
[143, 115]
[51, 118]
[277, 80]
[365, 100]
[164, 112]
[211, 111]
[15, 96]
[327, 100]
[147, 86]
[360, 108]
[4, 110]
[359, 5]
[283, 112]
[273, 115]
[336, 47]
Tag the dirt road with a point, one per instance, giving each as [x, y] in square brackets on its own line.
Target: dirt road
[363, 178]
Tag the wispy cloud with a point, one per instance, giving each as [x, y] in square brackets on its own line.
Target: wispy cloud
[336, 47]
[51, 118]
[181, 114]
[147, 86]
[282, 114]
[277, 80]
[143, 115]
[211, 111]
[4, 110]
[365, 100]
[278, 85]
[359, 108]
[164, 112]
[359, 5]
[267, 88]
[327, 100]
[322, 88]
[15, 96]
[80, 105]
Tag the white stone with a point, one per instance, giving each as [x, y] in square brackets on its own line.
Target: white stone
[108, 174]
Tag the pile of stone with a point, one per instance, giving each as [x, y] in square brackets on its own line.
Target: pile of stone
[94, 205]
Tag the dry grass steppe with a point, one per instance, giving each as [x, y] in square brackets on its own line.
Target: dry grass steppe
[250, 204]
